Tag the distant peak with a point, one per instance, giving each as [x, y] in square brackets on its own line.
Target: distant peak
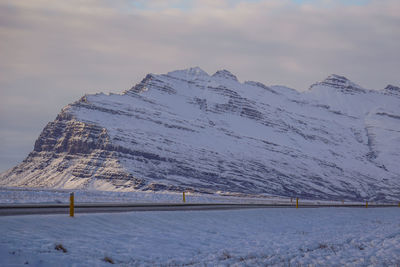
[339, 82]
[336, 80]
[225, 74]
[196, 71]
[188, 73]
[392, 88]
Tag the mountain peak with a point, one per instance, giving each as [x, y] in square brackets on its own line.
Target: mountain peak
[337, 77]
[338, 81]
[189, 73]
[392, 88]
[225, 74]
[195, 71]
[341, 83]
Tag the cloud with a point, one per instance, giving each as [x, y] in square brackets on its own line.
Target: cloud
[55, 51]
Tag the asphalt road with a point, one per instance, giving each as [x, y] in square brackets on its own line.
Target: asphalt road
[29, 209]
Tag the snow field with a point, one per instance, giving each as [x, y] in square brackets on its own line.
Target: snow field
[276, 237]
[38, 195]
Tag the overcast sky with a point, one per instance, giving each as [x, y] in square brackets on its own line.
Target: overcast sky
[53, 52]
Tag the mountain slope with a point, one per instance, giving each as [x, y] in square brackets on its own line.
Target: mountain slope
[187, 130]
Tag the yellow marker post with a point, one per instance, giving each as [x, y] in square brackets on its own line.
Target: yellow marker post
[71, 205]
[184, 199]
[297, 202]
[399, 204]
[366, 204]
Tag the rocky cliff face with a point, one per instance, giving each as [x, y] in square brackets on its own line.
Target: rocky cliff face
[187, 130]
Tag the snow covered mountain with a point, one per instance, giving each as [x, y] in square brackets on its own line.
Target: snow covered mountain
[187, 130]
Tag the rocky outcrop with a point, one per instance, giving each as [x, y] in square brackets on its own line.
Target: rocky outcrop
[392, 90]
[71, 153]
[341, 83]
[225, 74]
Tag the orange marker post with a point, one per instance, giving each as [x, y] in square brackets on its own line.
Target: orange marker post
[71, 205]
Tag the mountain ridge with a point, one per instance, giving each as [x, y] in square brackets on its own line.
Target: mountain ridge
[188, 130]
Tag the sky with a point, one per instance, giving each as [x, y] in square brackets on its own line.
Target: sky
[54, 52]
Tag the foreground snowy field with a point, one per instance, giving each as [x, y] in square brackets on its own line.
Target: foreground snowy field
[278, 237]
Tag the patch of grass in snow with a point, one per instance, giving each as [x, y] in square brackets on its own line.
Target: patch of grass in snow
[225, 255]
[252, 258]
[360, 246]
[333, 249]
[60, 247]
[320, 246]
[108, 259]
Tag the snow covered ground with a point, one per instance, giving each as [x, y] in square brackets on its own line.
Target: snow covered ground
[31, 195]
[277, 237]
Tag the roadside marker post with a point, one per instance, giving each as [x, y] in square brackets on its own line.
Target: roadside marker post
[297, 202]
[71, 205]
[183, 197]
[366, 204]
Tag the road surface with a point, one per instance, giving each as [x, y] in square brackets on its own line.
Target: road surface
[29, 209]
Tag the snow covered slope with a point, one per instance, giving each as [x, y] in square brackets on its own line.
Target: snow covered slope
[187, 130]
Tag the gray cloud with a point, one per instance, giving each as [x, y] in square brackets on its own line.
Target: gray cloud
[53, 52]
